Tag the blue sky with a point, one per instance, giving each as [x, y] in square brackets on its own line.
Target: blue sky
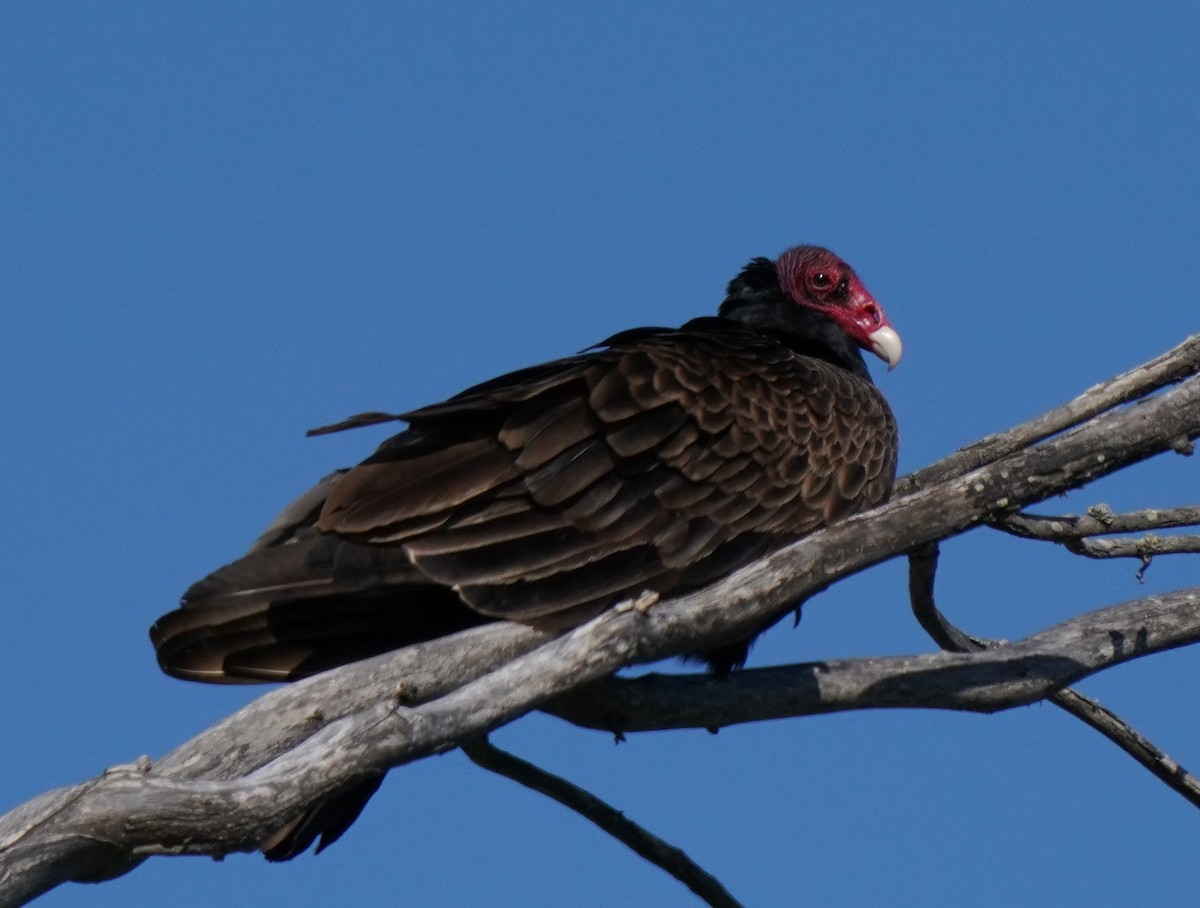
[223, 224]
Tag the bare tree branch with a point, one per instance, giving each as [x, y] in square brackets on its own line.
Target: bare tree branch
[1173, 366]
[1074, 533]
[1100, 520]
[1016, 674]
[662, 854]
[1131, 741]
[229, 788]
[1144, 547]
[922, 569]
[131, 812]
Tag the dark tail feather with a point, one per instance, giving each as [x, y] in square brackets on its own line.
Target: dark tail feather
[326, 820]
[285, 612]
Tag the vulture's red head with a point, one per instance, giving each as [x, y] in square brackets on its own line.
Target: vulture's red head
[817, 279]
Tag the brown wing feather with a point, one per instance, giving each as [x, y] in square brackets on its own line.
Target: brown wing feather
[607, 476]
[658, 464]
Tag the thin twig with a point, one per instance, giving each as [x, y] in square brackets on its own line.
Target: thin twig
[922, 570]
[1100, 520]
[1131, 741]
[1075, 533]
[649, 846]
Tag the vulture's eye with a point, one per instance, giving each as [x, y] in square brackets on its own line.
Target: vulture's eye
[821, 281]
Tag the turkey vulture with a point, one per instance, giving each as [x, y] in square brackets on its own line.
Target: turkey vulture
[660, 460]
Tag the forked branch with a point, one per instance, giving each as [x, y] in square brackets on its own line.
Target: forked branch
[1077, 534]
[922, 568]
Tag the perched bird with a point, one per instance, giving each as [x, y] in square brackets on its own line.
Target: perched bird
[659, 460]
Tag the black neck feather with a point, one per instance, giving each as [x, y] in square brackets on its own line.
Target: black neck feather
[755, 298]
